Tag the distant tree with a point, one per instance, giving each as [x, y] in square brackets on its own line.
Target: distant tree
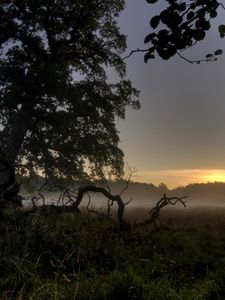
[163, 187]
[57, 106]
[182, 24]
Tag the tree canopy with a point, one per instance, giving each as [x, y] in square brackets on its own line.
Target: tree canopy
[57, 106]
[182, 24]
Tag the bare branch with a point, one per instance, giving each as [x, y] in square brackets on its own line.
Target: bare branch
[196, 61]
[71, 196]
[154, 213]
[221, 4]
[34, 201]
[60, 197]
[135, 51]
[130, 172]
[43, 187]
[113, 198]
[92, 210]
[109, 205]
[126, 203]
[104, 180]
[42, 197]
[178, 53]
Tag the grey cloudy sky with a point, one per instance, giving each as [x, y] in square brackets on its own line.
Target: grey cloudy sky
[180, 128]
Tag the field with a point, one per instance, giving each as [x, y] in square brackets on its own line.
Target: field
[49, 255]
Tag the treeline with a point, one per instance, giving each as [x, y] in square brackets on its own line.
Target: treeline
[197, 193]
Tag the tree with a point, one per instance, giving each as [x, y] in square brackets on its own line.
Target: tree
[182, 25]
[57, 106]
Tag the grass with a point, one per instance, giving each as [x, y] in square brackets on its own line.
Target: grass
[51, 256]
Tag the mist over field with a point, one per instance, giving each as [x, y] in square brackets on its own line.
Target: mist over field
[143, 195]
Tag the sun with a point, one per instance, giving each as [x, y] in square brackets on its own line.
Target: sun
[215, 178]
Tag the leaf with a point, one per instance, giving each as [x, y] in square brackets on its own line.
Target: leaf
[148, 56]
[190, 15]
[199, 35]
[221, 29]
[163, 33]
[167, 53]
[209, 55]
[149, 37]
[182, 6]
[193, 5]
[165, 17]
[218, 52]
[154, 22]
[202, 23]
[213, 14]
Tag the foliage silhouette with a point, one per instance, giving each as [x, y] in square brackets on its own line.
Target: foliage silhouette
[182, 24]
[57, 107]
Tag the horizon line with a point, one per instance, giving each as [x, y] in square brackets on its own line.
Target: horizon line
[180, 177]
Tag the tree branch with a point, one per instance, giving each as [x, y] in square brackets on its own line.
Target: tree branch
[135, 51]
[196, 61]
[154, 213]
[113, 198]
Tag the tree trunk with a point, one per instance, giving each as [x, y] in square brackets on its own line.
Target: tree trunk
[17, 133]
[9, 190]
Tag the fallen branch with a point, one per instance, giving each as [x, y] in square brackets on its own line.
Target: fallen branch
[112, 198]
[154, 213]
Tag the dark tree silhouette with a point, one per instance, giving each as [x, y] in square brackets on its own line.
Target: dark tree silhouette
[9, 188]
[57, 106]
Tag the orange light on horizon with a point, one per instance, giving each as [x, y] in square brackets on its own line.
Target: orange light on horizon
[215, 177]
[181, 177]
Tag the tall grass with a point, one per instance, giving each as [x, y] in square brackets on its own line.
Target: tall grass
[51, 256]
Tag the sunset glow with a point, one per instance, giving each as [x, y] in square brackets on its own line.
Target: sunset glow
[216, 177]
[181, 177]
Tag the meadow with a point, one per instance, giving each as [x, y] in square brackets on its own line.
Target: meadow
[48, 255]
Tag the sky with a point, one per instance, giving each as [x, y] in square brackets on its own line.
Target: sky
[178, 135]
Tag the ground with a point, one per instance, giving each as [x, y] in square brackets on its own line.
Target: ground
[47, 255]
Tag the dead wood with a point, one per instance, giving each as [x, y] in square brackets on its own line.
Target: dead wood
[154, 213]
[111, 200]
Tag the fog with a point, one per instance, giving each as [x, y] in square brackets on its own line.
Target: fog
[139, 195]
